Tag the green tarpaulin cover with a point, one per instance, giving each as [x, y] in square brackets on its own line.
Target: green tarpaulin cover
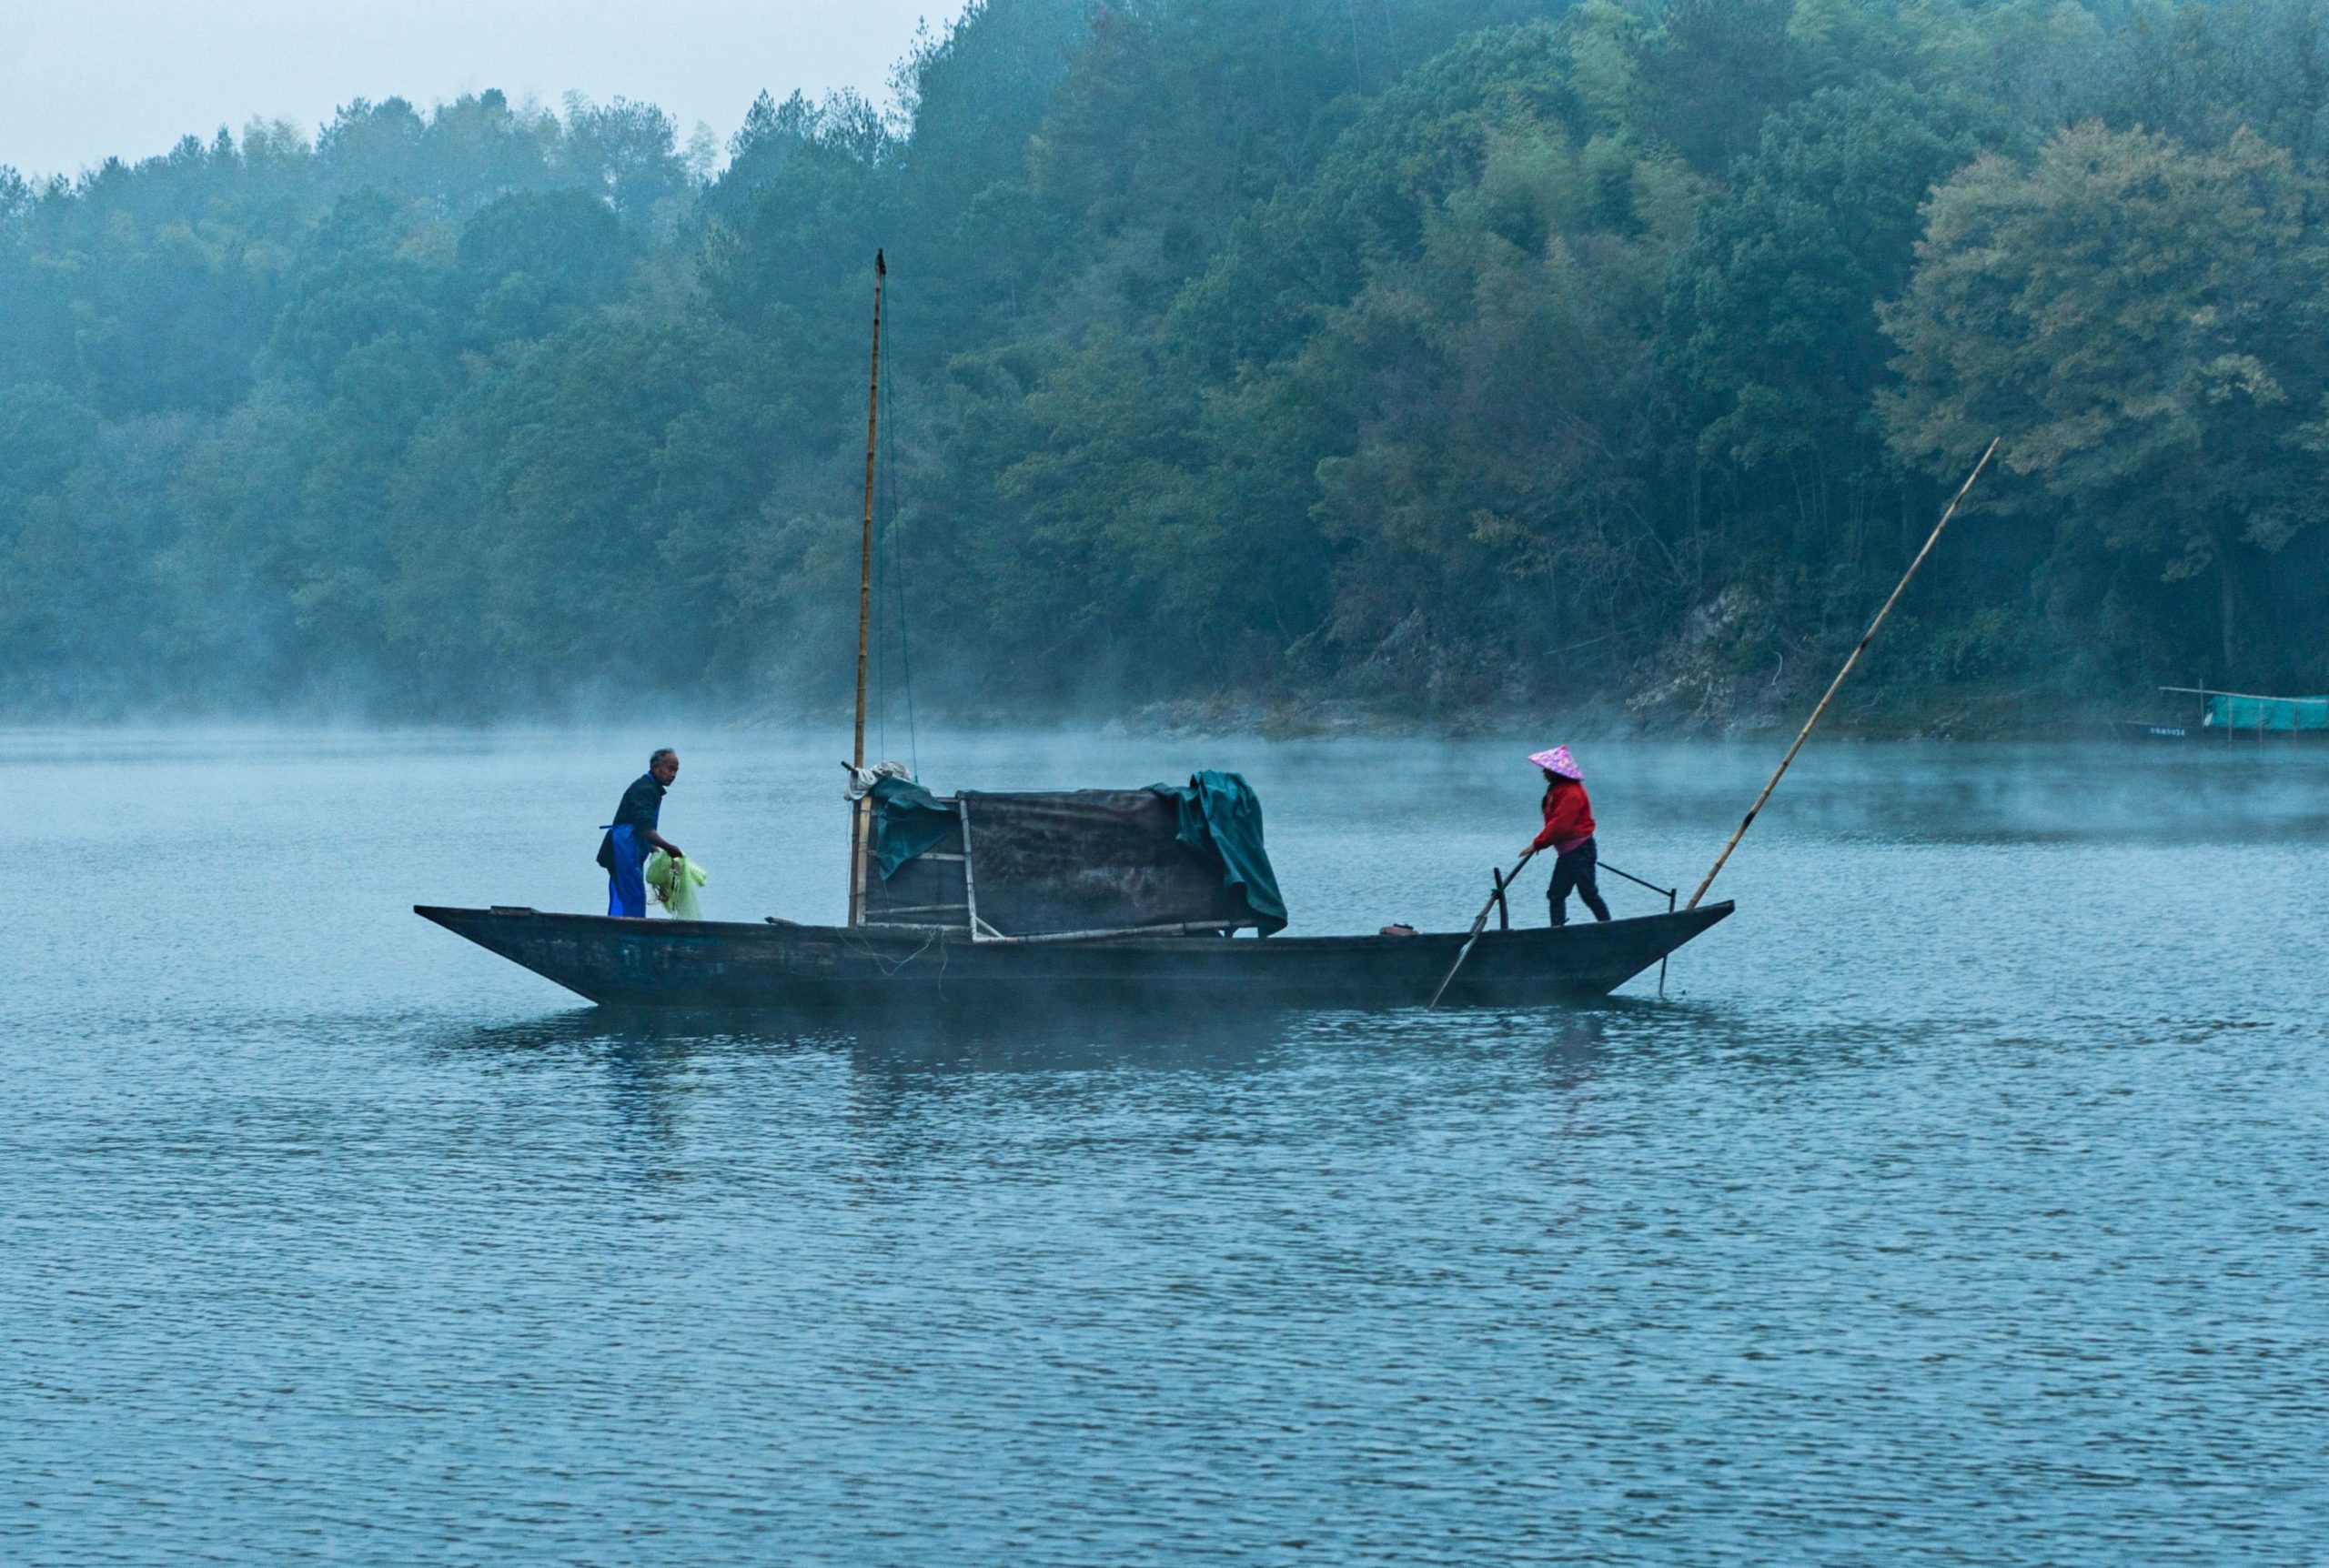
[907, 820]
[2284, 713]
[1221, 816]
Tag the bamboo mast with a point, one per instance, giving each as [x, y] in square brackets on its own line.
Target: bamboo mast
[861, 820]
[1834, 686]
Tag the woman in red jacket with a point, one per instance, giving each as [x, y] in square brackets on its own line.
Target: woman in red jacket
[1569, 833]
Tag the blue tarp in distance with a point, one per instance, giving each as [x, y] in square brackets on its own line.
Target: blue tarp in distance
[2228, 712]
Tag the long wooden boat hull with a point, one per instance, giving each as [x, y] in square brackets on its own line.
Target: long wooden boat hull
[834, 970]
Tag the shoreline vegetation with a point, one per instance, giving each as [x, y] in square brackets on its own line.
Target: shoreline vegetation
[1986, 714]
[1993, 718]
[1436, 364]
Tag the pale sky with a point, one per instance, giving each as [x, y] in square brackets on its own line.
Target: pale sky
[83, 79]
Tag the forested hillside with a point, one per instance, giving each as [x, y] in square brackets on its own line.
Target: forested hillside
[1434, 356]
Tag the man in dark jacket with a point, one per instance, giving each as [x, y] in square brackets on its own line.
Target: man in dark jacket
[632, 836]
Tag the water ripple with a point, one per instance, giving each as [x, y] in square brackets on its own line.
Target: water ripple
[1958, 1206]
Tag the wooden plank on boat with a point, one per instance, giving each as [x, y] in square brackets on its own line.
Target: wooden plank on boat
[1182, 929]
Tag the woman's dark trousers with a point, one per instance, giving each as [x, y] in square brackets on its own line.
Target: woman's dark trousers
[1575, 869]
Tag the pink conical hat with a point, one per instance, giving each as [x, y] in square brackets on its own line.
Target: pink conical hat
[1560, 761]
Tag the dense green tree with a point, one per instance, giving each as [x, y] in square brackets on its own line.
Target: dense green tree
[529, 263]
[1714, 69]
[628, 155]
[1772, 310]
[2203, 73]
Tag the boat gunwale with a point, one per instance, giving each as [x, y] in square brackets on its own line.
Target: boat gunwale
[919, 937]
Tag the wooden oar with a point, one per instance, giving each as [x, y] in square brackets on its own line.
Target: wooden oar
[1834, 686]
[1478, 926]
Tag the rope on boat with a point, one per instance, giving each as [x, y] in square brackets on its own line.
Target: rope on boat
[1671, 893]
[1504, 885]
[889, 970]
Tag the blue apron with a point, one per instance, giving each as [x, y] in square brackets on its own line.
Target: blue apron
[626, 887]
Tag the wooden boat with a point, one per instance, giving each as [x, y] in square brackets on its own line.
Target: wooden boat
[1123, 899]
[1079, 899]
[815, 971]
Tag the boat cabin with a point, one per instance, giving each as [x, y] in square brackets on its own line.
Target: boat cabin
[1051, 865]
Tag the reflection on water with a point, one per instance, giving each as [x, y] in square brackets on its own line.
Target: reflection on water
[1961, 1203]
[641, 1051]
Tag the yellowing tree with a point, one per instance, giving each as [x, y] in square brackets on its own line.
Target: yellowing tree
[2142, 322]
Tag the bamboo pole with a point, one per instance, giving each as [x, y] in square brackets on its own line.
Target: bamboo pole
[1835, 685]
[861, 818]
[970, 869]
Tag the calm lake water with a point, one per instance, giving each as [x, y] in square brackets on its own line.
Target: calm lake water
[1961, 1202]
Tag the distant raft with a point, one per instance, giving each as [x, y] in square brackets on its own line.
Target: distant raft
[2279, 715]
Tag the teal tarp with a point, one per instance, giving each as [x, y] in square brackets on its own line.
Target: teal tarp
[1221, 816]
[907, 820]
[2273, 713]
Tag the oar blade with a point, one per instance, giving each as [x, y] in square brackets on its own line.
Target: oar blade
[1461, 954]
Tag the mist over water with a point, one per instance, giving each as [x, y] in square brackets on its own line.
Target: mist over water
[1959, 1202]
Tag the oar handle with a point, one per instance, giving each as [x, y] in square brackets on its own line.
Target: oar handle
[1504, 880]
[1463, 952]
